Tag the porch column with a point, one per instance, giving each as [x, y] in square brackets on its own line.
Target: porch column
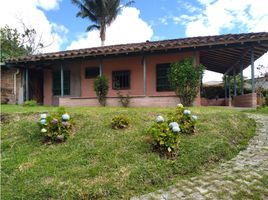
[144, 76]
[100, 67]
[225, 87]
[61, 81]
[234, 75]
[241, 74]
[27, 84]
[252, 70]
[229, 90]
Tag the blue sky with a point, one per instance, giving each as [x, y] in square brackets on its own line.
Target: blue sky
[154, 12]
[57, 25]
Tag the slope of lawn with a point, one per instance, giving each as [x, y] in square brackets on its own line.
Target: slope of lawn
[101, 163]
[259, 110]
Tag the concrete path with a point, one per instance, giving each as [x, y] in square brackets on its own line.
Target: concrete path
[240, 178]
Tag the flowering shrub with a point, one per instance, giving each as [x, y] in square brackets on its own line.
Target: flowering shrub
[165, 136]
[56, 127]
[166, 133]
[184, 118]
[120, 122]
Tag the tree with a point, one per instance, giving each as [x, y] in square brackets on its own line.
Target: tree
[15, 44]
[101, 12]
[11, 44]
[184, 77]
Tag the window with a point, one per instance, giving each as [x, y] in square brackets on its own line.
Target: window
[57, 82]
[162, 82]
[92, 72]
[121, 80]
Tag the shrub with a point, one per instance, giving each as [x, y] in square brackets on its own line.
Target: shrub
[166, 133]
[101, 88]
[56, 127]
[123, 99]
[184, 118]
[184, 78]
[164, 139]
[30, 103]
[120, 122]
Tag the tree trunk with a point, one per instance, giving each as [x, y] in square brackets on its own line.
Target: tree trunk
[102, 34]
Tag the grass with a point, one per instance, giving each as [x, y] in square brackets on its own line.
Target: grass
[102, 163]
[259, 110]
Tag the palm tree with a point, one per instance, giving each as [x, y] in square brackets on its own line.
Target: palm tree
[101, 12]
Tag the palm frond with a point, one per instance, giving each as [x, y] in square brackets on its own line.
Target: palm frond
[92, 27]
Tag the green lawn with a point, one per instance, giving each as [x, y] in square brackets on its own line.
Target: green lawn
[102, 163]
[259, 110]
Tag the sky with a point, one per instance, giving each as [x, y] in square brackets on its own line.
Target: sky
[58, 27]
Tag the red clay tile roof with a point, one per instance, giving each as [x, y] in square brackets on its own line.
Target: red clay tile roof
[192, 42]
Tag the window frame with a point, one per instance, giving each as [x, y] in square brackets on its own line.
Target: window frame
[66, 86]
[88, 75]
[128, 73]
[165, 77]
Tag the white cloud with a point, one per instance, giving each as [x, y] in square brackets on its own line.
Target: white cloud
[12, 11]
[227, 16]
[127, 28]
[48, 4]
[222, 15]
[163, 20]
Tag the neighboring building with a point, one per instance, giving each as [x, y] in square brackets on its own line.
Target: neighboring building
[260, 82]
[140, 69]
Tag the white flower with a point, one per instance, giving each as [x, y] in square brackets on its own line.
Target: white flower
[65, 117]
[173, 124]
[180, 105]
[43, 130]
[194, 117]
[43, 121]
[176, 129]
[187, 112]
[43, 116]
[159, 119]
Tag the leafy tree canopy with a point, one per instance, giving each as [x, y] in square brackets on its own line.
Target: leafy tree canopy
[101, 12]
[15, 44]
[184, 78]
[11, 44]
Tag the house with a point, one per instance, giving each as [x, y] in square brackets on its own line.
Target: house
[66, 78]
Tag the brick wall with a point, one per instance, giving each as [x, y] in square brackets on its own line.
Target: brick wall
[213, 102]
[134, 101]
[246, 100]
[7, 86]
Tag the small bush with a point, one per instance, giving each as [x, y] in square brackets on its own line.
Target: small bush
[164, 139]
[120, 122]
[266, 100]
[101, 88]
[56, 127]
[124, 99]
[166, 133]
[30, 103]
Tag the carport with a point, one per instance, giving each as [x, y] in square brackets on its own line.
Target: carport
[231, 57]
